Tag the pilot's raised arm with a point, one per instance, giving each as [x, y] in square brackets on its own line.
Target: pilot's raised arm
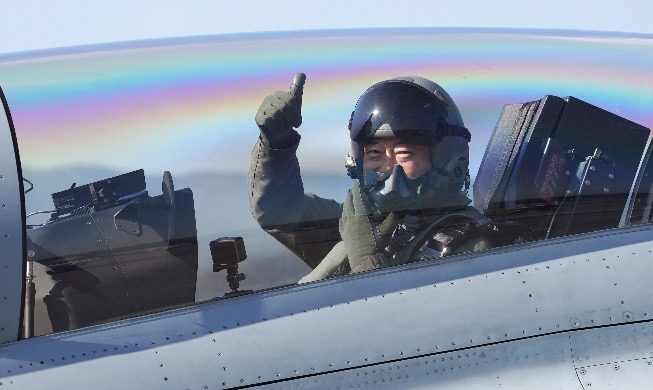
[409, 168]
[276, 191]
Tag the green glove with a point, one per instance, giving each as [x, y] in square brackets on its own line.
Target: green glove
[371, 263]
[279, 113]
[362, 233]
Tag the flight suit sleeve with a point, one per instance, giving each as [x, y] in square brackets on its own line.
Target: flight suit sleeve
[304, 222]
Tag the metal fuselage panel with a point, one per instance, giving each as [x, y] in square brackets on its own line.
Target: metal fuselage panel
[531, 314]
[12, 227]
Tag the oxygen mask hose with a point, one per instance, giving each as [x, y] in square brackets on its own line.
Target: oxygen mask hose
[403, 234]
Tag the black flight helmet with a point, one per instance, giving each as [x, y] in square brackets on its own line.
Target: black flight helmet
[419, 111]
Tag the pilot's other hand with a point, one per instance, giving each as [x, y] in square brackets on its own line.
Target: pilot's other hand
[279, 113]
[373, 262]
[363, 235]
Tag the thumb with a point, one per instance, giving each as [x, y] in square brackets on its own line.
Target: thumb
[297, 90]
[361, 201]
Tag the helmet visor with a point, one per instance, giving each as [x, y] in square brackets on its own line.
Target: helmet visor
[408, 110]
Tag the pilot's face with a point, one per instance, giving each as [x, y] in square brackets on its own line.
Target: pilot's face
[382, 155]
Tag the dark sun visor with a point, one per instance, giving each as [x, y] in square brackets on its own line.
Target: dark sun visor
[408, 110]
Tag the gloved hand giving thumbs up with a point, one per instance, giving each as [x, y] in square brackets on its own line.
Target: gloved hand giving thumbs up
[279, 113]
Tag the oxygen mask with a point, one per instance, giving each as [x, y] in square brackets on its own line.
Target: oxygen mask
[393, 191]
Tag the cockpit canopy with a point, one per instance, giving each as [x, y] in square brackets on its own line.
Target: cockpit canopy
[135, 156]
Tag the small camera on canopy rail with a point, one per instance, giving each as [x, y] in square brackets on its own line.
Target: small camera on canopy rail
[226, 253]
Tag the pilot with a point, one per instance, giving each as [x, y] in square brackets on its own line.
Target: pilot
[409, 169]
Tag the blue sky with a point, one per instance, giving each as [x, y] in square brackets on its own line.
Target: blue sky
[33, 25]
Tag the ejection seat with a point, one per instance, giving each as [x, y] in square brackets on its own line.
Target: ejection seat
[561, 166]
[111, 251]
